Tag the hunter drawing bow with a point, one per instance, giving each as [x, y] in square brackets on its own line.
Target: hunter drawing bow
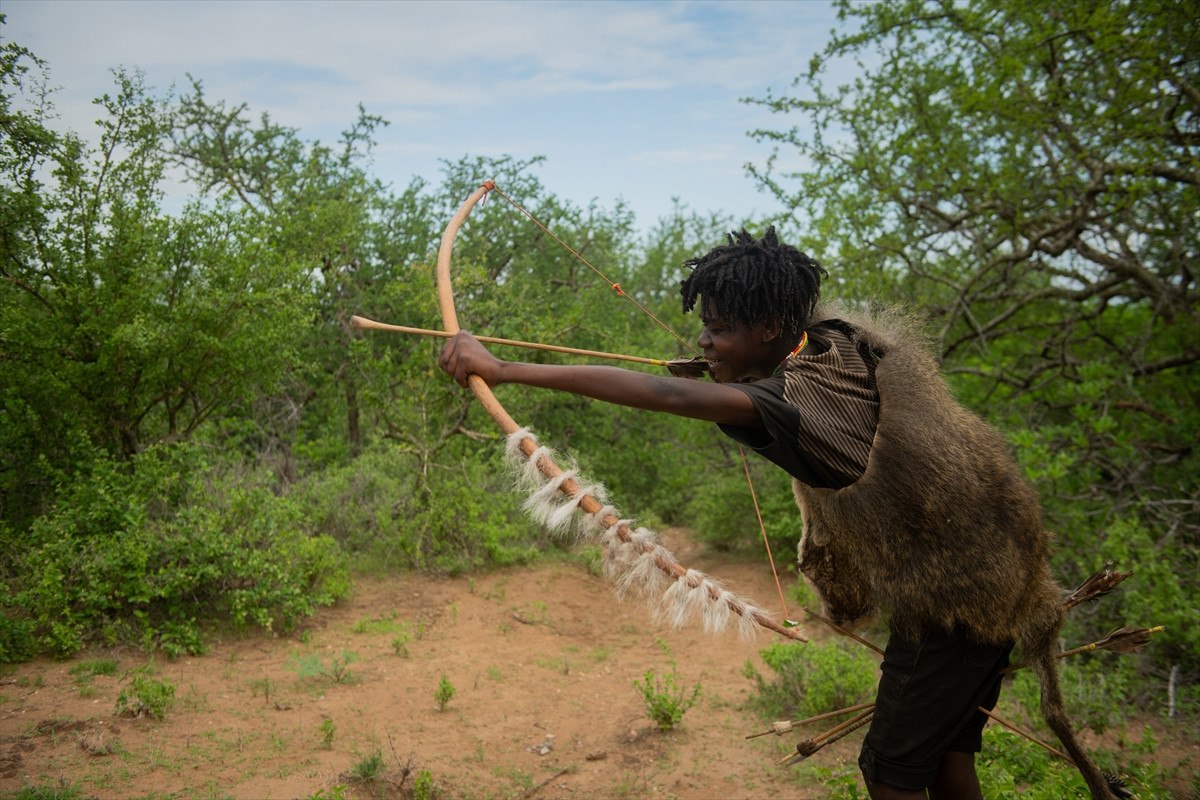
[633, 556]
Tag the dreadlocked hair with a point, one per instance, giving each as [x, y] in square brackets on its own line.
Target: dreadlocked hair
[748, 280]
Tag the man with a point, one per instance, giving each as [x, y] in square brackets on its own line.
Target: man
[912, 505]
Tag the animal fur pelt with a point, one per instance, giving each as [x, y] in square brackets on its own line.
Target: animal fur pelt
[942, 530]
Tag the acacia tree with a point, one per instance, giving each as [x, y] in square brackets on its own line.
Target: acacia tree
[120, 326]
[125, 331]
[1027, 175]
[353, 239]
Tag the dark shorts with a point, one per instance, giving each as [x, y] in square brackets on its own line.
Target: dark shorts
[928, 701]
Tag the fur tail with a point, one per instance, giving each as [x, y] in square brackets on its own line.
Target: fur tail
[1040, 651]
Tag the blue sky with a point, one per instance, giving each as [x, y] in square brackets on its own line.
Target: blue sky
[632, 100]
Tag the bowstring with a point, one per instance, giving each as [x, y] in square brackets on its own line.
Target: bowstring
[763, 529]
[616, 287]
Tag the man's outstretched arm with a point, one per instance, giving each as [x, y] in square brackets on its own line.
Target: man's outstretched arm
[463, 355]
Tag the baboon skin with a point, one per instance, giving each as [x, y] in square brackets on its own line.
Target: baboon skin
[941, 530]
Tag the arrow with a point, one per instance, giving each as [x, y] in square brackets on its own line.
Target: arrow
[364, 323]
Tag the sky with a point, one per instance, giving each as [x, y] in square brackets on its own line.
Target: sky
[637, 101]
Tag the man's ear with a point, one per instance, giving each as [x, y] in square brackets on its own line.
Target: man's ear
[772, 329]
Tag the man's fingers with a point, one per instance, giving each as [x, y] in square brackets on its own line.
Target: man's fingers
[456, 357]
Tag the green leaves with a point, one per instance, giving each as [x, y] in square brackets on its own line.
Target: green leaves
[143, 554]
[812, 679]
[1028, 180]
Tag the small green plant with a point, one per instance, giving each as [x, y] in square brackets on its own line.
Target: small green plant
[444, 693]
[337, 792]
[86, 670]
[368, 768]
[400, 644]
[337, 671]
[328, 730]
[339, 668]
[664, 699]
[32, 681]
[387, 624]
[522, 780]
[423, 787]
[49, 791]
[264, 686]
[146, 696]
[844, 782]
[535, 613]
[555, 664]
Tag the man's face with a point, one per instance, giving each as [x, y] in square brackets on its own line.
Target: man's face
[737, 352]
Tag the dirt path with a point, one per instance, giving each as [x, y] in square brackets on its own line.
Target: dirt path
[542, 661]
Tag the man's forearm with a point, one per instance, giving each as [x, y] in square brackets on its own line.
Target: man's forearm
[610, 384]
[683, 397]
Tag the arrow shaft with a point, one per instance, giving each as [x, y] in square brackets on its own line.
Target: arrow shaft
[363, 322]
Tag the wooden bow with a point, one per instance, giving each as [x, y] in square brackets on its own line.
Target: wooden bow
[689, 588]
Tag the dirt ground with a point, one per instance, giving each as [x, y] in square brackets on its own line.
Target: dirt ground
[542, 660]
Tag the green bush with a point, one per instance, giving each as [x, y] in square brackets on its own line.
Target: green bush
[18, 640]
[423, 786]
[327, 729]
[664, 699]
[1097, 689]
[47, 791]
[387, 514]
[812, 678]
[444, 693]
[1012, 768]
[312, 667]
[368, 768]
[722, 511]
[146, 696]
[145, 552]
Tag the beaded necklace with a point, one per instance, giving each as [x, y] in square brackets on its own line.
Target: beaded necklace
[795, 352]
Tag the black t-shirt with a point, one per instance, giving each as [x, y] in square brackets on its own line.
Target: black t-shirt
[819, 410]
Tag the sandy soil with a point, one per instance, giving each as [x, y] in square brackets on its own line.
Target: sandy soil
[542, 660]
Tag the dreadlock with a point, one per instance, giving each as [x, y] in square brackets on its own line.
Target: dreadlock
[748, 280]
